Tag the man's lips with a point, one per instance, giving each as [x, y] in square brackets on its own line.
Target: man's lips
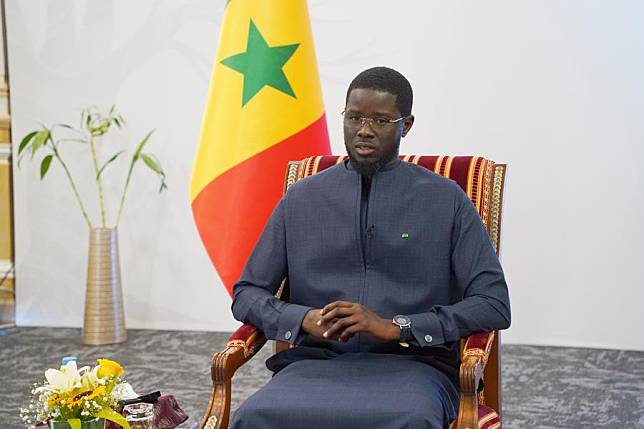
[364, 149]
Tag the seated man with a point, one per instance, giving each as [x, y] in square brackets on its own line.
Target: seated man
[389, 265]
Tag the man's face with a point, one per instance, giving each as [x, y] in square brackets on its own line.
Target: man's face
[371, 147]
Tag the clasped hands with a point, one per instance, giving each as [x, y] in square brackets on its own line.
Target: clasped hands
[340, 320]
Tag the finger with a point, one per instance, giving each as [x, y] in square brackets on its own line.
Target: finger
[336, 313]
[339, 326]
[349, 332]
[335, 304]
[327, 323]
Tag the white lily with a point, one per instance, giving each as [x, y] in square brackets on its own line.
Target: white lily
[63, 380]
[90, 379]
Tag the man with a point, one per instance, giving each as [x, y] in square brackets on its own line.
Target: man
[389, 266]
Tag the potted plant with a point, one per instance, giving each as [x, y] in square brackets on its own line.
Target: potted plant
[104, 321]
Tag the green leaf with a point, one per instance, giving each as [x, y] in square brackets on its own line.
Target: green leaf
[88, 118]
[107, 163]
[25, 141]
[96, 128]
[39, 140]
[155, 166]
[103, 126]
[63, 125]
[141, 144]
[150, 162]
[113, 416]
[44, 165]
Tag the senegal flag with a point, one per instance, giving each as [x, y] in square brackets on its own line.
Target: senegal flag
[264, 109]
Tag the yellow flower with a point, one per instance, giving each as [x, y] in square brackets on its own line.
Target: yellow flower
[107, 368]
[96, 392]
[53, 399]
[85, 396]
[76, 400]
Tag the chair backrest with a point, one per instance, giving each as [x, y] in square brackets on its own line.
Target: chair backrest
[482, 179]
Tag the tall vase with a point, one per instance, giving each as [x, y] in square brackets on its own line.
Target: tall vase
[104, 321]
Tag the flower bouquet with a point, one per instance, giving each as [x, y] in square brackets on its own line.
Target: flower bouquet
[78, 397]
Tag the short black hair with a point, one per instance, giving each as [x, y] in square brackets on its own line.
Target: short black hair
[386, 80]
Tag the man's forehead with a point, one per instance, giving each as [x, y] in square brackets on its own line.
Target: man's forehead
[361, 98]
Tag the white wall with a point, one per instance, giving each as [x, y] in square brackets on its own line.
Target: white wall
[555, 89]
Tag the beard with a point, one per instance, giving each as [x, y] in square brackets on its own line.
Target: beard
[368, 167]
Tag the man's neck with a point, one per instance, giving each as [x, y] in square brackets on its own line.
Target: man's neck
[370, 172]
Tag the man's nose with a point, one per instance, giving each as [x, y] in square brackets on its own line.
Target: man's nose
[365, 129]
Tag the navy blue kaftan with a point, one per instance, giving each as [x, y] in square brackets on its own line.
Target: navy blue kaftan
[425, 254]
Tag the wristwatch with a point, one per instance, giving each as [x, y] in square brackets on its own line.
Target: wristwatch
[404, 323]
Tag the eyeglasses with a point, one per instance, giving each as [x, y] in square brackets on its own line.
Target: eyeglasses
[356, 121]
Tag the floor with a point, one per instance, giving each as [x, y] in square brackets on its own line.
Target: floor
[543, 387]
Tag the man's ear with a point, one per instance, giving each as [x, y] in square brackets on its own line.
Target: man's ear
[407, 124]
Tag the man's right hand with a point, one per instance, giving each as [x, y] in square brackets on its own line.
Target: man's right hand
[310, 324]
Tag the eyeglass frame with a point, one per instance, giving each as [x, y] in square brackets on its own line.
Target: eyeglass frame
[370, 121]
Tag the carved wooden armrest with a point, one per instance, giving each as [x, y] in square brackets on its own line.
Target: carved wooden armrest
[242, 345]
[474, 357]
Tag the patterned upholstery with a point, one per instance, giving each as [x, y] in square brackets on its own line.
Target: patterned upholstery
[243, 333]
[488, 419]
[479, 345]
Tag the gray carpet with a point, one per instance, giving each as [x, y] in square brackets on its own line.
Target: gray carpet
[543, 387]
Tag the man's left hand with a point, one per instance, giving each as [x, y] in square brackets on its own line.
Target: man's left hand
[348, 318]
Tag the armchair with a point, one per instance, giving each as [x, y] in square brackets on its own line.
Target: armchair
[480, 403]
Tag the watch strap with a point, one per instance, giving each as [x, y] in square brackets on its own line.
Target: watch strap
[405, 334]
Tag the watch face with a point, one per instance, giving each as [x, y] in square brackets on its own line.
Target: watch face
[402, 320]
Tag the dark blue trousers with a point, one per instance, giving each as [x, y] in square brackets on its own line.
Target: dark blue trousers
[352, 390]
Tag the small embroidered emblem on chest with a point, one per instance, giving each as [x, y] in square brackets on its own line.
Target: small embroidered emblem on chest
[404, 235]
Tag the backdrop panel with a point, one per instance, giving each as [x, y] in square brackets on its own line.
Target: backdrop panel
[555, 91]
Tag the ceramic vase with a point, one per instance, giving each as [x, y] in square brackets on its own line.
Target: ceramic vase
[104, 318]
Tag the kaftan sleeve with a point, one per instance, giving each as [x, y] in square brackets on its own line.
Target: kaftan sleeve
[253, 295]
[478, 275]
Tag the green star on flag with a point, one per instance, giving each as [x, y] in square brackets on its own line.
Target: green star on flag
[261, 65]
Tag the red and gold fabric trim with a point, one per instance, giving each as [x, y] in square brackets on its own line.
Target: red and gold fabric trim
[488, 419]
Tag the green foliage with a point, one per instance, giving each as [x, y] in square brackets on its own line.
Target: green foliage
[39, 141]
[26, 140]
[93, 126]
[44, 165]
[154, 165]
[109, 161]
